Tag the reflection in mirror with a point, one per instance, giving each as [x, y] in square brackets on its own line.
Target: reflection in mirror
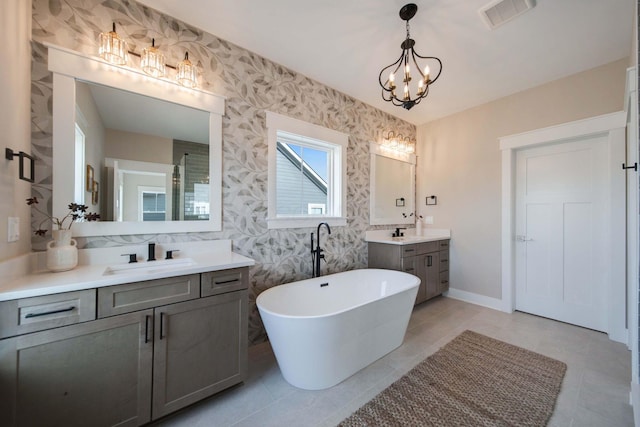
[160, 111]
[151, 156]
[392, 187]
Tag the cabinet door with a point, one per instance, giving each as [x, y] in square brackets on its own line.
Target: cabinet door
[432, 266]
[200, 348]
[421, 269]
[96, 373]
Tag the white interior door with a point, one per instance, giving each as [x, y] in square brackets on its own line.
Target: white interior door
[562, 231]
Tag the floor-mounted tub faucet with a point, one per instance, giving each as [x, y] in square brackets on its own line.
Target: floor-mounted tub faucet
[316, 254]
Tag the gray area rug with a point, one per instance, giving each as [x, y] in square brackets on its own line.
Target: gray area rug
[474, 380]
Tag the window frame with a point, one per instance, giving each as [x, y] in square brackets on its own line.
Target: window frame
[150, 190]
[79, 186]
[336, 179]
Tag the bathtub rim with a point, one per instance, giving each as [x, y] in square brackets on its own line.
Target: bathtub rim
[262, 309]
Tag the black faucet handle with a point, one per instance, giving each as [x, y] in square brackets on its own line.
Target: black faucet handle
[132, 257]
[398, 233]
[170, 253]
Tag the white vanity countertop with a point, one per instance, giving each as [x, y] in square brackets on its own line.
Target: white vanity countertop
[23, 278]
[409, 238]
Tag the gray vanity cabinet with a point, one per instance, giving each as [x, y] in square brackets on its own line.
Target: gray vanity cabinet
[150, 348]
[200, 348]
[93, 373]
[427, 260]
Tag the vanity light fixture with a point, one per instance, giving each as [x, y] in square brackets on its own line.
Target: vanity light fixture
[187, 74]
[112, 48]
[399, 143]
[152, 60]
[391, 140]
[407, 60]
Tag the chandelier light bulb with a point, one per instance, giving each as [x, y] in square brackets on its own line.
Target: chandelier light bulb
[426, 73]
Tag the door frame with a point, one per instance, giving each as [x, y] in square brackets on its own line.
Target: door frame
[613, 126]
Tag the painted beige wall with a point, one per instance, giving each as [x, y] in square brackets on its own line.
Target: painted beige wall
[15, 120]
[460, 162]
[137, 146]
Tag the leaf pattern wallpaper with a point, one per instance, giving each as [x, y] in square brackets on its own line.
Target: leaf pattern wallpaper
[252, 85]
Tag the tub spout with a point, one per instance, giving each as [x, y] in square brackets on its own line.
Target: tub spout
[317, 253]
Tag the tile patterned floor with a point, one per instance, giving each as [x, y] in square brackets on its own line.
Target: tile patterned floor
[595, 391]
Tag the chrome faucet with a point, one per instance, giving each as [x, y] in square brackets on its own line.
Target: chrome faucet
[316, 254]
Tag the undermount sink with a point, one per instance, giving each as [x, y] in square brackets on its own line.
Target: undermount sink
[148, 266]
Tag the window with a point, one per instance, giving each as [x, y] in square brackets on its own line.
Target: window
[307, 173]
[153, 202]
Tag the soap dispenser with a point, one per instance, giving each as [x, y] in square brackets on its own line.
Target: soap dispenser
[419, 226]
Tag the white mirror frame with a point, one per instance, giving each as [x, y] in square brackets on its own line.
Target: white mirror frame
[67, 66]
[379, 150]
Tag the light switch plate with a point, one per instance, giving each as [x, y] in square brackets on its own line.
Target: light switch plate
[13, 229]
[428, 219]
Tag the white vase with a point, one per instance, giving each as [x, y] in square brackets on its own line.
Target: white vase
[62, 251]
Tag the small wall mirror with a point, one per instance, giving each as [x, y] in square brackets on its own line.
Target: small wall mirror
[143, 153]
[392, 187]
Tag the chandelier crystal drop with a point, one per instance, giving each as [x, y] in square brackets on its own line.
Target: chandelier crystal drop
[413, 90]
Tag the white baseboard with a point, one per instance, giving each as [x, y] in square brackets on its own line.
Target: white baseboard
[473, 298]
[635, 402]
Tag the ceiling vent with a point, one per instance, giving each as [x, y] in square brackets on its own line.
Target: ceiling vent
[499, 12]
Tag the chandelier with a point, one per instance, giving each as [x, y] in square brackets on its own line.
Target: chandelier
[407, 60]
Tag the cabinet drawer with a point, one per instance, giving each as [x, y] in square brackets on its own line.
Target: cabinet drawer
[444, 260]
[410, 250]
[219, 282]
[28, 315]
[443, 282]
[121, 299]
[409, 265]
[443, 245]
[426, 247]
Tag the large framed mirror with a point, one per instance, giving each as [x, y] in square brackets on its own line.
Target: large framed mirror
[144, 153]
[392, 184]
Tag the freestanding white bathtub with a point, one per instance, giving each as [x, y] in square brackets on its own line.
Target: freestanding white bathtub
[324, 330]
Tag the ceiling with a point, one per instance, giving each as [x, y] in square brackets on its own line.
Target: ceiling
[345, 43]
